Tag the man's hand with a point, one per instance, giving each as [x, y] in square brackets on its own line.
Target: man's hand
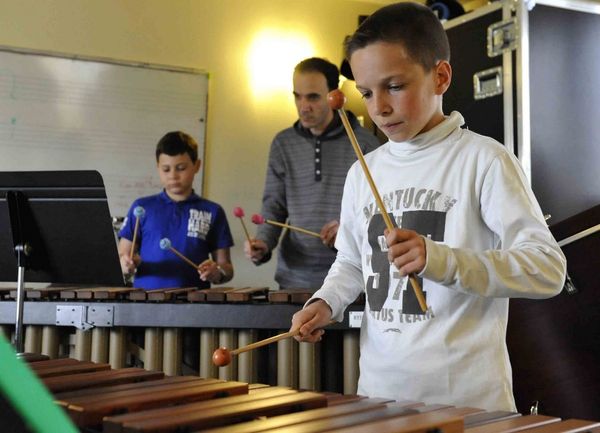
[329, 233]
[255, 250]
[406, 250]
[311, 320]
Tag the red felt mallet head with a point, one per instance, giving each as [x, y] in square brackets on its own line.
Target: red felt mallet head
[336, 99]
[258, 219]
[221, 357]
[238, 212]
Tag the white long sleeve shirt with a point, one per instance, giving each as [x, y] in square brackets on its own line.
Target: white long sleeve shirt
[486, 241]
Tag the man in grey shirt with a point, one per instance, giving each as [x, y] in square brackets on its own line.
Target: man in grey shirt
[307, 168]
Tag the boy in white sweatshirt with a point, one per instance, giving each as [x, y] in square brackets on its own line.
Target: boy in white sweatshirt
[469, 228]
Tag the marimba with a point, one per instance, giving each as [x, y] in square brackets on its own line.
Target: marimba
[207, 319]
[131, 400]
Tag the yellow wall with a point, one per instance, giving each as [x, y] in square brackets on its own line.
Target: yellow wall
[212, 35]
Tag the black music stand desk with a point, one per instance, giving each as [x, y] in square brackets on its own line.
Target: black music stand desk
[55, 227]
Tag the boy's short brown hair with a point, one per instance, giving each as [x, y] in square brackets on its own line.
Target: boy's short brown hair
[413, 25]
[175, 143]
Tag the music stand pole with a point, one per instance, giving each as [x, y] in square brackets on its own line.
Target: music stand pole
[17, 210]
[19, 340]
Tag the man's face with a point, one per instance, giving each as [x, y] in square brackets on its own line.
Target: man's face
[310, 96]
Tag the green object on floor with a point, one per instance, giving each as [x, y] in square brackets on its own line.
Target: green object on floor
[25, 392]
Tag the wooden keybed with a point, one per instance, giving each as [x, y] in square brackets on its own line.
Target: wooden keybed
[186, 294]
[221, 316]
[126, 401]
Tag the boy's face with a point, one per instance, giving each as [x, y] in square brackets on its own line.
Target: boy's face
[310, 96]
[401, 97]
[177, 174]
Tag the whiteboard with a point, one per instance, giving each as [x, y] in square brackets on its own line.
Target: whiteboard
[73, 113]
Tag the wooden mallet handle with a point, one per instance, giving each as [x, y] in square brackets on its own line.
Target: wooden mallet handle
[239, 213]
[139, 212]
[264, 342]
[336, 101]
[222, 356]
[259, 219]
[298, 229]
[269, 340]
[165, 244]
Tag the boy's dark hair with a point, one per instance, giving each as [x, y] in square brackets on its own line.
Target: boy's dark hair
[175, 143]
[413, 25]
[328, 69]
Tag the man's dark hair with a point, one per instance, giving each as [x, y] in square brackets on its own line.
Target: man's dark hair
[328, 69]
[175, 143]
[413, 25]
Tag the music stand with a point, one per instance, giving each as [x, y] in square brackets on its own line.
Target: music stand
[58, 230]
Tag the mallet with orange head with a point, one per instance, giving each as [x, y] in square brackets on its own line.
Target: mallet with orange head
[337, 99]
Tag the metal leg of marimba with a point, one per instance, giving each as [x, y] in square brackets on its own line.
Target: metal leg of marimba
[33, 339]
[287, 365]
[247, 361]
[153, 349]
[50, 341]
[309, 370]
[351, 354]
[83, 345]
[99, 345]
[209, 341]
[116, 352]
[172, 351]
[228, 338]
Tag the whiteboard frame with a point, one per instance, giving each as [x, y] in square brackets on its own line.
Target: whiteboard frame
[99, 59]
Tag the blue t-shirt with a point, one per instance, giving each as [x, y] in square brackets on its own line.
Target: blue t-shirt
[194, 226]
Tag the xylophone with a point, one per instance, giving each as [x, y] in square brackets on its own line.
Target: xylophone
[168, 322]
[132, 400]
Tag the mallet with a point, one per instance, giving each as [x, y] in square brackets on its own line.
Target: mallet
[239, 213]
[337, 99]
[165, 244]
[139, 213]
[222, 356]
[259, 219]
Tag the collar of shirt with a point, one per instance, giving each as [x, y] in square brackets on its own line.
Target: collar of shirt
[192, 198]
[428, 139]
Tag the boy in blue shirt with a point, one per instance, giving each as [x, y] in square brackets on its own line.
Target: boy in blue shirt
[196, 227]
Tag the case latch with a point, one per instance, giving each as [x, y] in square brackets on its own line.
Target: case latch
[502, 37]
[487, 83]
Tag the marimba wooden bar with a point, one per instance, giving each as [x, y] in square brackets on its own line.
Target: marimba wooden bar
[137, 401]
